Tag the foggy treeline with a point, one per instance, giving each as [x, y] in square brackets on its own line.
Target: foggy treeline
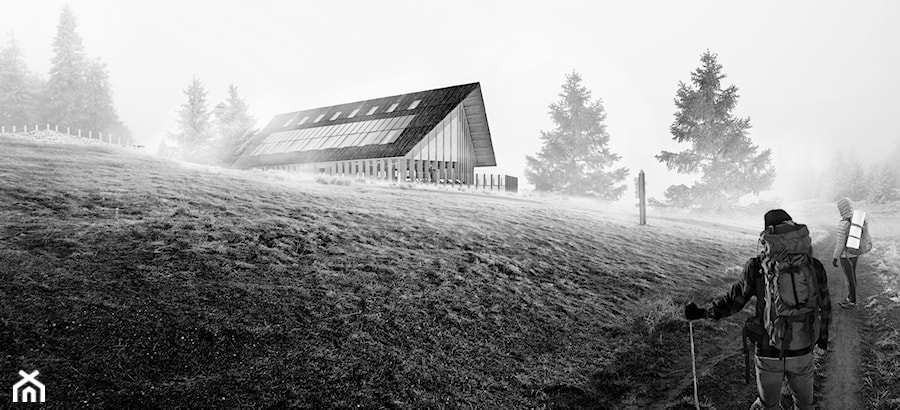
[575, 158]
[76, 94]
[214, 136]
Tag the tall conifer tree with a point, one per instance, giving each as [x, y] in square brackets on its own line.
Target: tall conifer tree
[575, 157]
[17, 88]
[721, 151]
[233, 124]
[194, 124]
[65, 88]
[99, 111]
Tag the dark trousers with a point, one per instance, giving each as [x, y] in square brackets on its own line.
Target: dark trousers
[849, 267]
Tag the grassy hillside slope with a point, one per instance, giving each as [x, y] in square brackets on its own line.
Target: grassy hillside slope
[128, 280]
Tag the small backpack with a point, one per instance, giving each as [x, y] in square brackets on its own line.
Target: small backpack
[792, 316]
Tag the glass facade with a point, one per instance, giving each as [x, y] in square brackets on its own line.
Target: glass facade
[445, 154]
[370, 132]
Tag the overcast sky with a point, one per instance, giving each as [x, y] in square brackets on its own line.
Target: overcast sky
[812, 75]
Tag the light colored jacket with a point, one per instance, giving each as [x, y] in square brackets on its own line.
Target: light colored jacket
[843, 230]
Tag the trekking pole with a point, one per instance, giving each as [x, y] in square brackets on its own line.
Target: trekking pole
[746, 357]
[694, 366]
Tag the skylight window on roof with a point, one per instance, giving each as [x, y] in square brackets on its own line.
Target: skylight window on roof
[414, 104]
[319, 118]
[337, 114]
[353, 113]
[372, 111]
[393, 107]
[303, 120]
[289, 121]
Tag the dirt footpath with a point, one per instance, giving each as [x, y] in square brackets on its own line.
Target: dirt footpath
[842, 382]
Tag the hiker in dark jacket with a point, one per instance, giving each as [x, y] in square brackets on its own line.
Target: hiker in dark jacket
[772, 364]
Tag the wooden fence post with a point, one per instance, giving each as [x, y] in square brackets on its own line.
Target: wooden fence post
[642, 192]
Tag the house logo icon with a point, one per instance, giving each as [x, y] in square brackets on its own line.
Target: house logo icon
[26, 387]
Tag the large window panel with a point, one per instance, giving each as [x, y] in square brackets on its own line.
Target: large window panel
[359, 137]
[391, 136]
[346, 140]
[392, 124]
[311, 132]
[330, 141]
[313, 144]
[432, 149]
[343, 140]
[282, 146]
[268, 148]
[354, 127]
[378, 125]
[454, 137]
[372, 136]
[447, 130]
[439, 144]
[295, 146]
[340, 129]
[320, 131]
[304, 144]
[368, 126]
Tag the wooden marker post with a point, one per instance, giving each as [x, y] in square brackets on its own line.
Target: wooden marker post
[642, 192]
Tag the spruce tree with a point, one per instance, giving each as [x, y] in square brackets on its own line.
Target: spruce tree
[194, 124]
[575, 157]
[65, 88]
[99, 112]
[233, 124]
[721, 150]
[17, 93]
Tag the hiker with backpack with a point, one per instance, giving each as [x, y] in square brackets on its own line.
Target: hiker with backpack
[793, 310]
[852, 239]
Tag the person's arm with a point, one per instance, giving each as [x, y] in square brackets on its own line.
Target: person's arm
[824, 303]
[739, 294]
[840, 238]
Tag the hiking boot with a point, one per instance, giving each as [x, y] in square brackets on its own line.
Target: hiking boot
[847, 304]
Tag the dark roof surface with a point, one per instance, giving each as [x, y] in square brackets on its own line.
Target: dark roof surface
[297, 137]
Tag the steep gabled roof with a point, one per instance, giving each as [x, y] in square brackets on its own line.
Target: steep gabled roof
[367, 129]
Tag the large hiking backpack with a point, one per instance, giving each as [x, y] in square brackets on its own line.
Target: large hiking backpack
[792, 316]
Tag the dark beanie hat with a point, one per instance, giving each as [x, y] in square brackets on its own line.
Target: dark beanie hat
[775, 217]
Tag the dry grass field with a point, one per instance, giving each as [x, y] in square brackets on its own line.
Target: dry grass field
[131, 281]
